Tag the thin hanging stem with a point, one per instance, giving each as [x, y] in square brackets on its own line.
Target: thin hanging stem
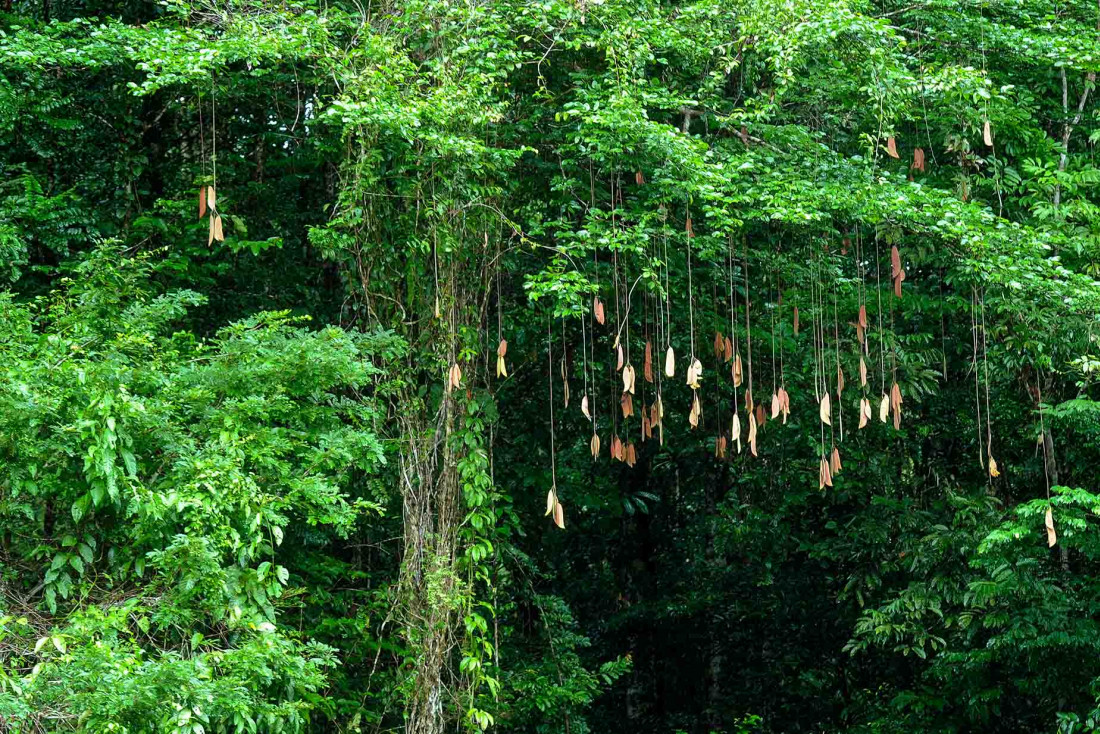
[974, 366]
[748, 309]
[691, 298]
[985, 363]
[550, 365]
[881, 334]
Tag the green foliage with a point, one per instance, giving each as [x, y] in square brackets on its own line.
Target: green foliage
[220, 514]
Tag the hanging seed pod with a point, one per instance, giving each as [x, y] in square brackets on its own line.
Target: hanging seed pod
[862, 372]
[897, 418]
[859, 334]
[834, 462]
[647, 368]
[618, 357]
[630, 457]
[202, 202]
[502, 348]
[784, 404]
[219, 236]
[897, 284]
[565, 392]
[670, 363]
[796, 320]
[647, 429]
[584, 408]
[839, 382]
[822, 467]
[720, 447]
[862, 318]
[828, 472]
[210, 235]
[736, 371]
[777, 405]
[719, 345]
[752, 434]
[559, 516]
[688, 228]
[895, 262]
[696, 411]
[884, 408]
[502, 369]
[825, 410]
[844, 245]
[727, 350]
[895, 395]
[628, 379]
[455, 376]
[918, 159]
[551, 501]
[864, 412]
[655, 413]
[761, 418]
[987, 136]
[616, 448]
[639, 178]
[735, 430]
[993, 470]
[211, 197]
[627, 404]
[597, 310]
[594, 446]
[1048, 521]
[694, 373]
[749, 404]
[891, 147]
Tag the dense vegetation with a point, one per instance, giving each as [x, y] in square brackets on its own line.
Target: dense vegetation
[571, 366]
